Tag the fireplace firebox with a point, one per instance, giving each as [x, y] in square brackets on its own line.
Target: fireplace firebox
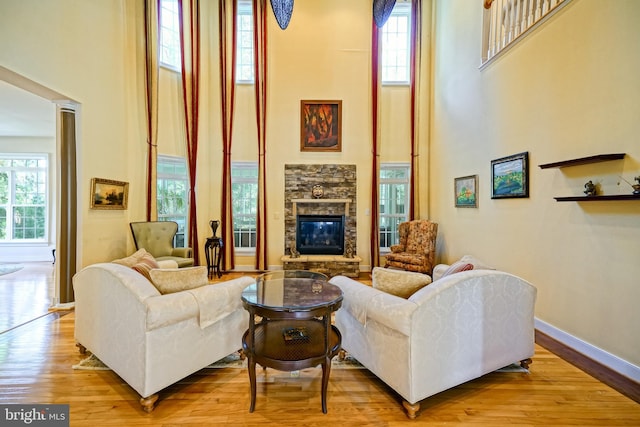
[320, 234]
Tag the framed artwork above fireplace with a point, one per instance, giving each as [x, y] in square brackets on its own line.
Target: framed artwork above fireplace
[320, 125]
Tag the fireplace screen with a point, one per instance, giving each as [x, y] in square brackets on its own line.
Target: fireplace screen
[320, 234]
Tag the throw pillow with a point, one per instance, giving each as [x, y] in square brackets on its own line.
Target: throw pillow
[477, 264]
[145, 264]
[172, 280]
[457, 267]
[397, 282]
[132, 259]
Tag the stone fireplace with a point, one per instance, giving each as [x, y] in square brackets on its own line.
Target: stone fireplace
[338, 183]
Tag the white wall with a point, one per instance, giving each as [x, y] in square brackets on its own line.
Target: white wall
[565, 91]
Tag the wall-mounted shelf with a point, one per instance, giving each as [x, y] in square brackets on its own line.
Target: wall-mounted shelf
[598, 198]
[296, 201]
[584, 160]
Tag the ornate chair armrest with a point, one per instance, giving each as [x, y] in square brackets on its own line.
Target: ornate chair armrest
[397, 248]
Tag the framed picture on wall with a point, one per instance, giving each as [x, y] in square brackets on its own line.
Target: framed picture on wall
[108, 194]
[466, 191]
[320, 125]
[510, 176]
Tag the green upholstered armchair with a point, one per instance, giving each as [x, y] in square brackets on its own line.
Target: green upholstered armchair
[156, 237]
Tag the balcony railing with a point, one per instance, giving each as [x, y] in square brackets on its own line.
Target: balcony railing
[506, 21]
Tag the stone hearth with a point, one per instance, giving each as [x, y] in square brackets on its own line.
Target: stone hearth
[331, 265]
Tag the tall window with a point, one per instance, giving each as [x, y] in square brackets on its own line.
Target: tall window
[244, 46]
[394, 201]
[173, 186]
[23, 197]
[169, 34]
[396, 41]
[244, 194]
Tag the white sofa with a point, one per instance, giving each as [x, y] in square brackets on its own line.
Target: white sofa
[457, 328]
[152, 340]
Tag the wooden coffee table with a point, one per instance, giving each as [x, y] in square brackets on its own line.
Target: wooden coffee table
[290, 324]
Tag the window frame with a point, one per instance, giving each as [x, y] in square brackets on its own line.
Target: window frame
[11, 196]
[406, 181]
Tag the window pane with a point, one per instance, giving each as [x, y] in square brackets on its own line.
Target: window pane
[244, 199]
[172, 190]
[3, 223]
[396, 45]
[394, 198]
[169, 34]
[244, 42]
[4, 188]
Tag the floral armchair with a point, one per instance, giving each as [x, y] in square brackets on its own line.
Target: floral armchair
[417, 248]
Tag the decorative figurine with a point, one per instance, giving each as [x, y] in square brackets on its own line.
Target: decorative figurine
[636, 187]
[214, 223]
[292, 250]
[590, 189]
[317, 191]
[348, 252]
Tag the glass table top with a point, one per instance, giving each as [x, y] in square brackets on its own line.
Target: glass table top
[291, 290]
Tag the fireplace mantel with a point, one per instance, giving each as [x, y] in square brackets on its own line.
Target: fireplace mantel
[345, 201]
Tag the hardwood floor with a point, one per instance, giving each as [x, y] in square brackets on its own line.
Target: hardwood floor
[26, 294]
[36, 360]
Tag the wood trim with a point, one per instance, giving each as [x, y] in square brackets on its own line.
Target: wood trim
[613, 379]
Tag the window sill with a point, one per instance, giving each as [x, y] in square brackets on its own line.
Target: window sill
[245, 251]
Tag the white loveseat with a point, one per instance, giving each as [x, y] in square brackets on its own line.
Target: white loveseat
[152, 340]
[457, 328]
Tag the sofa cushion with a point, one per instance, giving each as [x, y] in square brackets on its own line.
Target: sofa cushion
[457, 267]
[132, 259]
[172, 280]
[145, 265]
[398, 282]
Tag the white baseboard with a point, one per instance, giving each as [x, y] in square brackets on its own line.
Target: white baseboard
[603, 357]
[63, 306]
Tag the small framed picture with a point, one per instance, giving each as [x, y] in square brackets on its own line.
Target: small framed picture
[466, 191]
[510, 176]
[320, 125]
[108, 194]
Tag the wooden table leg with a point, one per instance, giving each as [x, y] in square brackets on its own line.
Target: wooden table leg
[252, 380]
[326, 370]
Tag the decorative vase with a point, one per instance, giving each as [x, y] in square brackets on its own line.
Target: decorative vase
[214, 223]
